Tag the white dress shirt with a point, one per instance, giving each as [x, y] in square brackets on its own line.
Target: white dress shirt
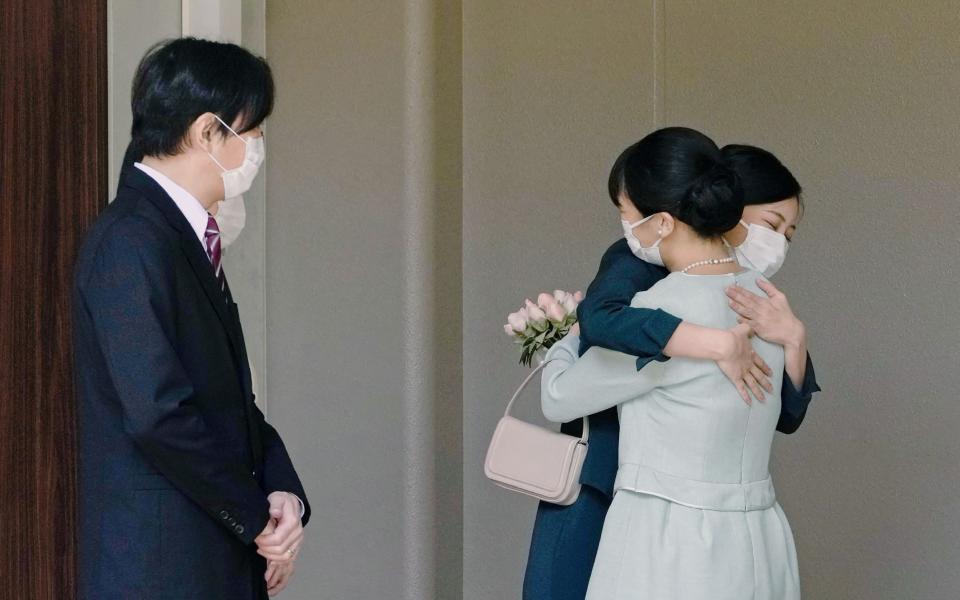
[197, 216]
[188, 204]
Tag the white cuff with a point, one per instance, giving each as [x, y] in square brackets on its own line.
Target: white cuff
[303, 508]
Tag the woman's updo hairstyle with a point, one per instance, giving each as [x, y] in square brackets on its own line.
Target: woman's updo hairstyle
[680, 171]
[765, 179]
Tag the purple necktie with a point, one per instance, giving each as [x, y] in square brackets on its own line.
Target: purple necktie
[212, 242]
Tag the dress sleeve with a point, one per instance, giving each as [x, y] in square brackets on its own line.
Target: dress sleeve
[573, 387]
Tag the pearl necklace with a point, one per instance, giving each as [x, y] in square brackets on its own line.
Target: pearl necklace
[709, 261]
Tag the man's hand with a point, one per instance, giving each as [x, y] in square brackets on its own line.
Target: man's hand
[269, 529]
[744, 367]
[281, 544]
[771, 317]
[278, 576]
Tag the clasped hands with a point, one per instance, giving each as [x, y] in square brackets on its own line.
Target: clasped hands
[280, 540]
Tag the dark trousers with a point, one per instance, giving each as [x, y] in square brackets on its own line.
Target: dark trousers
[563, 547]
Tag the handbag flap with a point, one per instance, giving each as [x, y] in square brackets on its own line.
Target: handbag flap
[531, 455]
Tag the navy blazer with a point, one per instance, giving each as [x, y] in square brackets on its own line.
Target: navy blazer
[176, 460]
[607, 320]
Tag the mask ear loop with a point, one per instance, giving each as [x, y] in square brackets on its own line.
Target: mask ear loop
[224, 123]
[216, 161]
[728, 244]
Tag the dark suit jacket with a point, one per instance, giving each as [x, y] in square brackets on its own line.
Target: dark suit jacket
[176, 460]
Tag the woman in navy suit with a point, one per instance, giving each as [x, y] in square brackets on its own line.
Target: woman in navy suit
[565, 538]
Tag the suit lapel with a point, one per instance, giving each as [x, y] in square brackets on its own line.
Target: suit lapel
[240, 342]
[211, 287]
[191, 247]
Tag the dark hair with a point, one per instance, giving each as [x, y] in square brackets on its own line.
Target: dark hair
[763, 176]
[179, 80]
[679, 171]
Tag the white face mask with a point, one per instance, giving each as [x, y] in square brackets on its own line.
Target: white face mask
[650, 254]
[231, 217]
[763, 250]
[237, 181]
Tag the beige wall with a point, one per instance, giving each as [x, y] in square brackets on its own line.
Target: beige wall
[405, 180]
[860, 100]
[551, 93]
[362, 284]
[132, 27]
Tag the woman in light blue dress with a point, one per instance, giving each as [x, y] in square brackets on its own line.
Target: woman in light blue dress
[694, 516]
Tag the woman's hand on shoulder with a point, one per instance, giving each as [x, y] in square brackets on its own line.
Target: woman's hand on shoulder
[769, 317]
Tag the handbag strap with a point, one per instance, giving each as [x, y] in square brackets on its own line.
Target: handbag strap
[586, 421]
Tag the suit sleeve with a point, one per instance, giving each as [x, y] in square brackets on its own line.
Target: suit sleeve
[606, 317]
[795, 401]
[130, 298]
[279, 474]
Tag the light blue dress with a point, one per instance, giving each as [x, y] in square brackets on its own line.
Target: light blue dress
[694, 516]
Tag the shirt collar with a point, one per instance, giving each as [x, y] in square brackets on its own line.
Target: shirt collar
[188, 204]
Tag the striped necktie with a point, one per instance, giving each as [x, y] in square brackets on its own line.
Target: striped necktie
[212, 242]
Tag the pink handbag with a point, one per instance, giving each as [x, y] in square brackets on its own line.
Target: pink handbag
[534, 460]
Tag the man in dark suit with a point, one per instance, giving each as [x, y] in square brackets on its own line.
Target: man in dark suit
[185, 490]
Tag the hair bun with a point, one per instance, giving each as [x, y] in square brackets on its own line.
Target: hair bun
[714, 202]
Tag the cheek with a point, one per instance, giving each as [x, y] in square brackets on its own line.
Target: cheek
[754, 217]
[231, 153]
[647, 235]
[236, 153]
[630, 215]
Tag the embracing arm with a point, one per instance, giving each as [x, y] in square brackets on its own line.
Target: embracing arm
[796, 400]
[799, 368]
[606, 317]
[129, 299]
[573, 387]
[773, 320]
[607, 320]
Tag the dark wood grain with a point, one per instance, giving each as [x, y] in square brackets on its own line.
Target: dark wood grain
[53, 182]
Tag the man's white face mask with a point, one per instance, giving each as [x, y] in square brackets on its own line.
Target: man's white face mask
[238, 180]
[231, 217]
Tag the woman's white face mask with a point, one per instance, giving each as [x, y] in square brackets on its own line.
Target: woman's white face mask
[763, 250]
[650, 254]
